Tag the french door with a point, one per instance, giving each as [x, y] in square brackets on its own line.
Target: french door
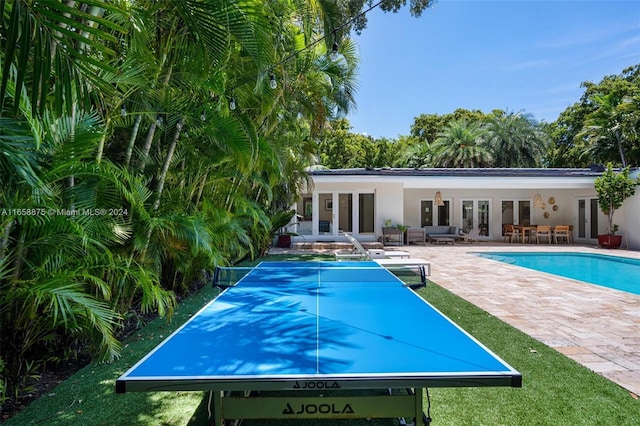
[515, 212]
[340, 212]
[476, 214]
[587, 220]
[431, 214]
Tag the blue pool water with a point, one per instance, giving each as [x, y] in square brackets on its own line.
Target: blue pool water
[616, 272]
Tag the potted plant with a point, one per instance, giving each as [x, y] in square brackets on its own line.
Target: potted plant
[613, 188]
[386, 226]
[403, 232]
[280, 223]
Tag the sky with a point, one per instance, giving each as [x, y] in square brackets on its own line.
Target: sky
[513, 55]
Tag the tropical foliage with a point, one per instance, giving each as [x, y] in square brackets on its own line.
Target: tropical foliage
[340, 148]
[602, 126]
[142, 143]
[461, 139]
[461, 144]
[515, 140]
[613, 187]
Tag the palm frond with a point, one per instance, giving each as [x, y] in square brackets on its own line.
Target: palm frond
[47, 39]
[62, 300]
[19, 158]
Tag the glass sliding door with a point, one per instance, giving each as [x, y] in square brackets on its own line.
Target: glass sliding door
[325, 214]
[366, 213]
[476, 215]
[444, 215]
[304, 209]
[345, 213]
[524, 212]
[467, 215]
[508, 213]
[426, 213]
[587, 225]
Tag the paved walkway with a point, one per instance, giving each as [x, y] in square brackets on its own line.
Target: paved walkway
[596, 326]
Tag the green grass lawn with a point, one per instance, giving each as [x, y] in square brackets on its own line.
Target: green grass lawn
[556, 390]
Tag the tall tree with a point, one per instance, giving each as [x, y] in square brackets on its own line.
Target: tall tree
[426, 127]
[515, 140]
[198, 178]
[606, 128]
[602, 126]
[414, 153]
[461, 144]
[339, 147]
[565, 150]
[354, 8]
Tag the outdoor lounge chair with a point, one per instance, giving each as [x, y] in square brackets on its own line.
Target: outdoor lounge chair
[392, 260]
[353, 254]
[471, 236]
[360, 253]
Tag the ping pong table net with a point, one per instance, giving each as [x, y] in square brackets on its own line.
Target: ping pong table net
[413, 276]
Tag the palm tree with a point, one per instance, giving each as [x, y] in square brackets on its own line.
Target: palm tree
[199, 185]
[418, 154]
[69, 56]
[630, 109]
[515, 140]
[311, 87]
[604, 128]
[76, 273]
[461, 144]
[60, 258]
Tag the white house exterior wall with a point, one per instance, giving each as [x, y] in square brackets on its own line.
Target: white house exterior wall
[398, 198]
[389, 200]
[630, 217]
[564, 199]
[388, 197]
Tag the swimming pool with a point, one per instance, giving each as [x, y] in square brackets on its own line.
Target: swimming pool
[616, 272]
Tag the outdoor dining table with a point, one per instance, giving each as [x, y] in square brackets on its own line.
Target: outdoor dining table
[523, 229]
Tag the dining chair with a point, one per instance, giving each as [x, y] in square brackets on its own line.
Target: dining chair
[510, 233]
[542, 232]
[561, 232]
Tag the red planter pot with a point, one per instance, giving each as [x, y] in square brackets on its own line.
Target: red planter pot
[610, 241]
[284, 241]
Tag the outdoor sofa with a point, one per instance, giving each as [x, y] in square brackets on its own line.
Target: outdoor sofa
[442, 232]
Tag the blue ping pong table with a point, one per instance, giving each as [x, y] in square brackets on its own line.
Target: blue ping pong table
[309, 326]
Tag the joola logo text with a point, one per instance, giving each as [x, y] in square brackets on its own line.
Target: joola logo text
[318, 408]
[316, 385]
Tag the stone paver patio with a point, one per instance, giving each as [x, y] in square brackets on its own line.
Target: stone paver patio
[595, 326]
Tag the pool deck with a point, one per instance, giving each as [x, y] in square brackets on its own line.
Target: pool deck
[596, 326]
